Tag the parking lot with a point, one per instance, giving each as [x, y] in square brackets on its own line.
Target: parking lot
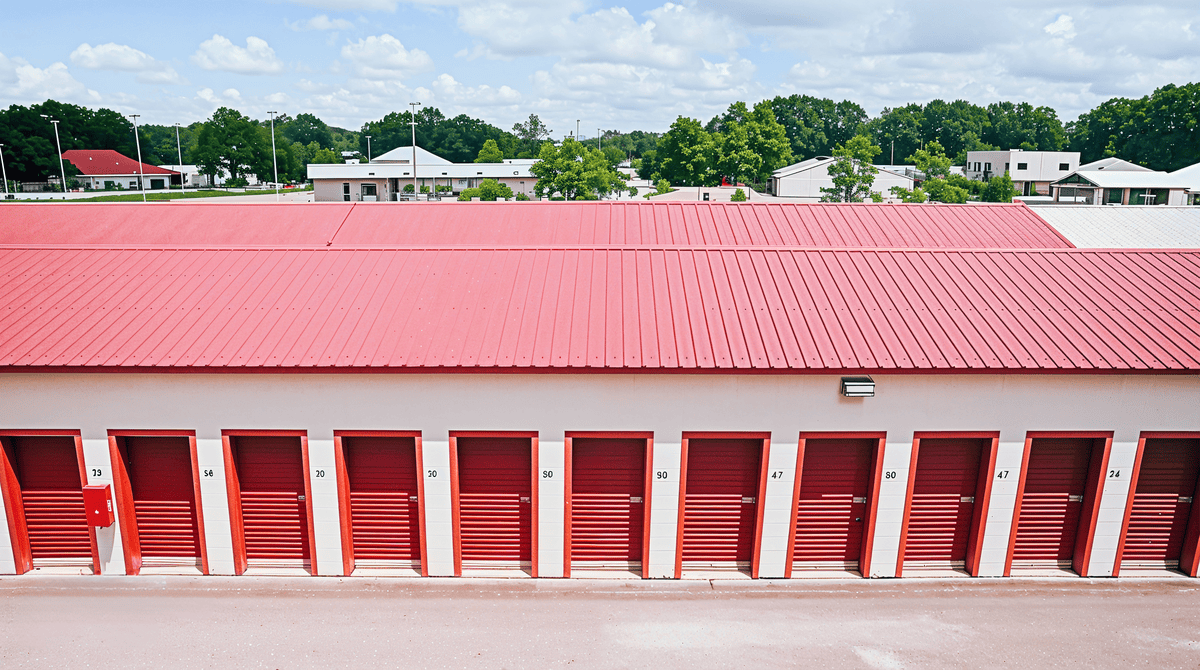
[262, 622]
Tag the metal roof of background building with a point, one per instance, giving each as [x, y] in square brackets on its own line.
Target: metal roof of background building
[92, 162]
[529, 224]
[599, 309]
[1125, 227]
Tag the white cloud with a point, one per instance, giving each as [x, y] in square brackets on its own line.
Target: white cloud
[321, 22]
[122, 58]
[352, 5]
[22, 82]
[384, 57]
[218, 53]
[1063, 27]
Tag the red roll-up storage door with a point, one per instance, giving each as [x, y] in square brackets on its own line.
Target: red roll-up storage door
[1162, 504]
[495, 502]
[270, 471]
[164, 499]
[943, 503]
[384, 504]
[47, 469]
[1052, 502]
[721, 503]
[832, 506]
[608, 480]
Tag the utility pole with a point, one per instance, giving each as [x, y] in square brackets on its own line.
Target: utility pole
[61, 170]
[3, 172]
[413, 120]
[368, 148]
[893, 153]
[597, 138]
[179, 148]
[138, 139]
[576, 130]
[274, 161]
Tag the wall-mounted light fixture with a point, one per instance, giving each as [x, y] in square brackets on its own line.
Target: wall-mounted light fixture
[858, 387]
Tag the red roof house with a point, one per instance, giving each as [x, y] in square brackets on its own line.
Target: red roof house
[105, 168]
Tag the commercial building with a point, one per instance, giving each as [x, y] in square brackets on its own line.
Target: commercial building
[385, 177]
[803, 181]
[660, 390]
[1031, 171]
[1127, 187]
[107, 169]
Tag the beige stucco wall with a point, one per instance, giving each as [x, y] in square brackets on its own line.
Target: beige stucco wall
[551, 404]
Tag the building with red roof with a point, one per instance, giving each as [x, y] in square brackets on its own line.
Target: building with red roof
[107, 169]
[664, 390]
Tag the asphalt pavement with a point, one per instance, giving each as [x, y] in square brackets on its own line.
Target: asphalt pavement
[265, 622]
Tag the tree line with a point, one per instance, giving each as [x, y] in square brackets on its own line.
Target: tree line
[1160, 131]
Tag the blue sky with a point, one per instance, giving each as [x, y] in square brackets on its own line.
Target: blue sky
[620, 65]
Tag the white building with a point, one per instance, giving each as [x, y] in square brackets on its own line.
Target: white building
[1031, 171]
[804, 180]
[384, 178]
[1128, 187]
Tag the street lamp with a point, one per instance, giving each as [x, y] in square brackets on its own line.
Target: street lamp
[62, 170]
[3, 172]
[179, 148]
[138, 140]
[274, 162]
[368, 148]
[412, 120]
[577, 138]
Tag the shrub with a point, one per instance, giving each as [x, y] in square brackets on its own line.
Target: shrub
[738, 196]
[468, 193]
[522, 197]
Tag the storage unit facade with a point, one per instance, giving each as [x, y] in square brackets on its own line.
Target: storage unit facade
[487, 500]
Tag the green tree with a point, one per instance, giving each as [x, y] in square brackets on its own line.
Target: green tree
[490, 190]
[852, 171]
[663, 186]
[326, 156]
[457, 139]
[490, 153]
[999, 189]
[738, 196]
[916, 195]
[736, 160]
[941, 190]
[575, 172]
[814, 126]
[1021, 125]
[30, 153]
[648, 167]
[898, 132]
[229, 141]
[932, 161]
[687, 155]
[307, 128]
[530, 136]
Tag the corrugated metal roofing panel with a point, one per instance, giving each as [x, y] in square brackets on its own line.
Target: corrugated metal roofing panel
[540, 224]
[1125, 227]
[694, 224]
[109, 162]
[170, 224]
[615, 308]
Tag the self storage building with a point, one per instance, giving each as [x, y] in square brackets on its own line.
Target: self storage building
[562, 389]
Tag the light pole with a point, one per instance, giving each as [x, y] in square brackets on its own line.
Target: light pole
[3, 172]
[368, 148]
[577, 130]
[138, 140]
[597, 138]
[412, 120]
[61, 170]
[274, 161]
[179, 148]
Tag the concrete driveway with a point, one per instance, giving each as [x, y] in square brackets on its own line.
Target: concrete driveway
[248, 622]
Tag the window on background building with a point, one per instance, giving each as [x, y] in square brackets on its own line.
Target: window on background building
[977, 166]
[346, 191]
[368, 190]
[1022, 166]
[1113, 196]
[1006, 167]
[1138, 196]
[1064, 166]
[987, 167]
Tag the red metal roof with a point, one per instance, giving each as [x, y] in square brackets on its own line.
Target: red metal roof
[529, 224]
[617, 308]
[170, 224]
[108, 162]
